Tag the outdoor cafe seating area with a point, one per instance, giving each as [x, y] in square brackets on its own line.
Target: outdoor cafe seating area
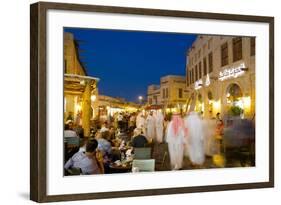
[123, 147]
[124, 159]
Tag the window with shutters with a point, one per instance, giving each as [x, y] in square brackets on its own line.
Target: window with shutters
[253, 46]
[200, 70]
[196, 73]
[65, 66]
[210, 62]
[205, 66]
[189, 73]
[180, 92]
[237, 48]
[192, 76]
[224, 54]
[210, 41]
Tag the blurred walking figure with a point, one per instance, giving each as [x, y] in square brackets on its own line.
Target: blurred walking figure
[218, 117]
[150, 127]
[195, 140]
[219, 135]
[176, 140]
[159, 123]
[209, 134]
[140, 122]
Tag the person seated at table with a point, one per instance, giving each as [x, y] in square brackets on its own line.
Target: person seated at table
[138, 139]
[104, 127]
[103, 144]
[79, 131]
[111, 133]
[89, 161]
[68, 130]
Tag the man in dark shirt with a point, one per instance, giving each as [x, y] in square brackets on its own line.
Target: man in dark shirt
[138, 139]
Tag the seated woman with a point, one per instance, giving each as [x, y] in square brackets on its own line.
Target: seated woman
[89, 161]
[111, 133]
[103, 143]
[138, 139]
[104, 146]
[68, 130]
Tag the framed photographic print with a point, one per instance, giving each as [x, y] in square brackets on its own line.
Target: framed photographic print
[137, 102]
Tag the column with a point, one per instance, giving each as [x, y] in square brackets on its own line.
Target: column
[86, 109]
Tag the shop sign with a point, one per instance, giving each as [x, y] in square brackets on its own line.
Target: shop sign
[231, 72]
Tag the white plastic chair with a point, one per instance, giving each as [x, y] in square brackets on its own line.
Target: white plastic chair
[144, 165]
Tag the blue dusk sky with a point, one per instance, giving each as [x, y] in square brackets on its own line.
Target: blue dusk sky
[128, 61]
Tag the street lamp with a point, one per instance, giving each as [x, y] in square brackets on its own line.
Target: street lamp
[140, 99]
[93, 98]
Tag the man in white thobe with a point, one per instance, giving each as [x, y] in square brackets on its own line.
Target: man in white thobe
[176, 140]
[159, 124]
[150, 127]
[140, 122]
[195, 139]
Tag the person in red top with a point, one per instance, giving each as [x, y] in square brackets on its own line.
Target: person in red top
[176, 141]
[219, 135]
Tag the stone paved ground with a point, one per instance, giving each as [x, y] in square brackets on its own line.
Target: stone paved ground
[234, 159]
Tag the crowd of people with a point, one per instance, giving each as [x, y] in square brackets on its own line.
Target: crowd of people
[187, 136]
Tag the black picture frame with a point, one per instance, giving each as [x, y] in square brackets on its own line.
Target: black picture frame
[38, 102]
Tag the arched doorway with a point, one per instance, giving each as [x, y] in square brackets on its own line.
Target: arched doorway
[234, 100]
[200, 104]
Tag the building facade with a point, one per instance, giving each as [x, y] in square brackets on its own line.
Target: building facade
[221, 75]
[170, 95]
[153, 95]
[80, 90]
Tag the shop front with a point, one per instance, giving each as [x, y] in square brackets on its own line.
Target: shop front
[175, 108]
[238, 103]
[78, 100]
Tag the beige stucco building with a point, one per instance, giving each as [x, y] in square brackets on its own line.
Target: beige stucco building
[170, 95]
[153, 95]
[221, 75]
[80, 90]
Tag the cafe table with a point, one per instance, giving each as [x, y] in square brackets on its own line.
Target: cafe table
[123, 167]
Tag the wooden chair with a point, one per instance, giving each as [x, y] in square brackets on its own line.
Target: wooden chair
[164, 158]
